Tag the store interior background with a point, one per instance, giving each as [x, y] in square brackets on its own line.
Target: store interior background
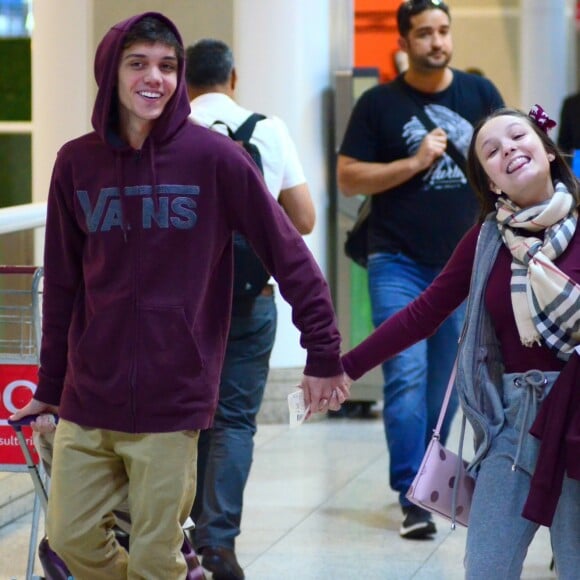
[288, 53]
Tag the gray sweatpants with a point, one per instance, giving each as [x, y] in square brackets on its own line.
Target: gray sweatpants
[498, 536]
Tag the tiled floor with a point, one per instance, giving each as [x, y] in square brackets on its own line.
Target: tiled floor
[318, 507]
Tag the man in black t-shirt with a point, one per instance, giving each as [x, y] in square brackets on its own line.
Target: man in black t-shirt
[569, 130]
[397, 148]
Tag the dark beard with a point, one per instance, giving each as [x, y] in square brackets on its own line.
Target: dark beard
[426, 63]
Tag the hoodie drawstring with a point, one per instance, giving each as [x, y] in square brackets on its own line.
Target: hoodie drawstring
[534, 382]
[154, 192]
[122, 198]
[125, 222]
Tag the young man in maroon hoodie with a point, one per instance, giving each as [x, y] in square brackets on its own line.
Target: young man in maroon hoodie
[137, 295]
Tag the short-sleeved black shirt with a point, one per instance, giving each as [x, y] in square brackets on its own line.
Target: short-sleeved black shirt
[569, 135]
[425, 217]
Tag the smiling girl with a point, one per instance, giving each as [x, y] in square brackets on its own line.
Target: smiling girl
[519, 270]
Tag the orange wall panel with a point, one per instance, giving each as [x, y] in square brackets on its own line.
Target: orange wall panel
[375, 35]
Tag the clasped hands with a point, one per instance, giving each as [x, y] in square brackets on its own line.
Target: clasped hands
[321, 394]
[324, 394]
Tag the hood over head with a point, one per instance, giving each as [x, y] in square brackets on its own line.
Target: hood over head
[106, 68]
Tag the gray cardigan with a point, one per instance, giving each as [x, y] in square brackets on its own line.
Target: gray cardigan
[480, 366]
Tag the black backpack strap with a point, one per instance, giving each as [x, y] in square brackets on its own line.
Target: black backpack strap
[451, 149]
[246, 129]
[230, 132]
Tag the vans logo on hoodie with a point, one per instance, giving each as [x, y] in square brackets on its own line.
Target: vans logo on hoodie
[173, 207]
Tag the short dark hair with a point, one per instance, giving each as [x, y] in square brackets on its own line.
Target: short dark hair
[152, 30]
[411, 8]
[479, 180]
[208, 62]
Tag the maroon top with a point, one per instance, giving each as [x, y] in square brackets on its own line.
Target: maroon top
[138, 266]
[421, 318]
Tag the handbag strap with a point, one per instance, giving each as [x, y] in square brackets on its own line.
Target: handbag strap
[451, 149]
[436, 435]
[457, 479]
[363, 212]
[445, 404]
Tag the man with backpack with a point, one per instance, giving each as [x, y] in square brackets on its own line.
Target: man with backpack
[225, 450]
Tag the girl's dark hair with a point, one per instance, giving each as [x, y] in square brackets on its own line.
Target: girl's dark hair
[152, 30]
[479, 180]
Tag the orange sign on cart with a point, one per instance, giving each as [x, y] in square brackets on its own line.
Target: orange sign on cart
[17, 385]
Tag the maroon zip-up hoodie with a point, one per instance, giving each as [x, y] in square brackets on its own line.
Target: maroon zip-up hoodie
[138, 267]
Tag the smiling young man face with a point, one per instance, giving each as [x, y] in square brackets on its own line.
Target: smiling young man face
[147, 79]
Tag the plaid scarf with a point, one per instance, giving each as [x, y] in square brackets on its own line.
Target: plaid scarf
[546, 301]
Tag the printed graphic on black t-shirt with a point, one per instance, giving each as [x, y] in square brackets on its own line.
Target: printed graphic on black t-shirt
[444, 173]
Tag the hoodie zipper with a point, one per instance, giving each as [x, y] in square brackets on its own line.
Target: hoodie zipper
[133, 249]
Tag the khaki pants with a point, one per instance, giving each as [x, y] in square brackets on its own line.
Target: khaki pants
[93, 471]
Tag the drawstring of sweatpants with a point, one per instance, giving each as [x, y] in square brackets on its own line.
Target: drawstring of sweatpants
[534, 382]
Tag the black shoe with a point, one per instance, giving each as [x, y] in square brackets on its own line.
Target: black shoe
[417, 523]
[354, 410]
[222, 563]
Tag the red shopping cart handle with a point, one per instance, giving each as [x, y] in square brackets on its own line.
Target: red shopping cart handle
[25, 421]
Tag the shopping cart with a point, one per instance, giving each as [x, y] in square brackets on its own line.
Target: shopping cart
[20, 325]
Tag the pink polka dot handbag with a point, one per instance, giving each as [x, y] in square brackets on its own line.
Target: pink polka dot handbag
[442, 484]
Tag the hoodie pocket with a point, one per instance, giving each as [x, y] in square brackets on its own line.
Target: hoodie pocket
[101, 359]
[167, 352]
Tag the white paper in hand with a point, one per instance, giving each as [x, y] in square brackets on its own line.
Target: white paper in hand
[297, 408]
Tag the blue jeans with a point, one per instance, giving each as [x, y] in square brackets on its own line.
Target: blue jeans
[225, 451]
[415, 379]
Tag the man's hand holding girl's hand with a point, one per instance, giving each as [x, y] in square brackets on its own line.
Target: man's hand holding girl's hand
[324, 394]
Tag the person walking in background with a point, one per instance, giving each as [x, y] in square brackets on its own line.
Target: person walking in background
[569, 129]
[225, 451]
[136, 305]
[519, 354]
[405, 145]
